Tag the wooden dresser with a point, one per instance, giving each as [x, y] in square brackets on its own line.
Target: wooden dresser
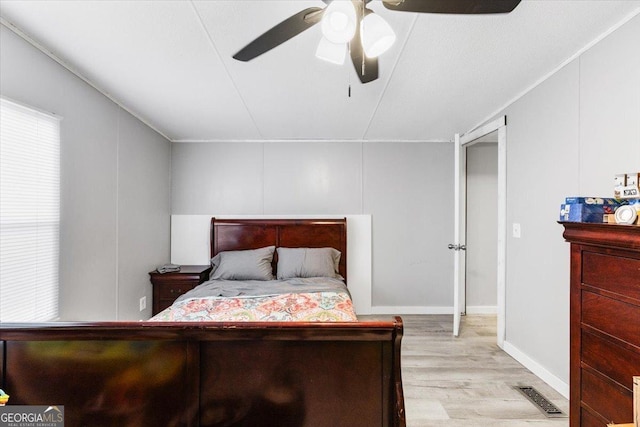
[605, 322]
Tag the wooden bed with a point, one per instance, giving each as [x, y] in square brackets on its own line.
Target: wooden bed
[214, 373]
[230, 234]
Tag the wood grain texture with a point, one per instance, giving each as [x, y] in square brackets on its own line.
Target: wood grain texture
[620, 320]
[603, 235]
[604, 321]
[605, 355]
[210, 374]
[467, 381]
[606, 398]
[608, 273]
[242, 234]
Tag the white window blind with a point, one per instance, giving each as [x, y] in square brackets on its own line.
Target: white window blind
[29, 213]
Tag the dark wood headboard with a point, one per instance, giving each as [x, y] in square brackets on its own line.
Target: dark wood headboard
[241, 234]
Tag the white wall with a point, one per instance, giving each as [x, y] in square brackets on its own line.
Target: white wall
[408, 190]
[405, 187]
[610, 109]
[115, 187]
[144, 203]
[566, 137]
[482, 228]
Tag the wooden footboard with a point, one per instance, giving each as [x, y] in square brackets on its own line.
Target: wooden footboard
[208, 374]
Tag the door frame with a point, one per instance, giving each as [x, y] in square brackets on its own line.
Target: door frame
[462, 143]
[459, 234]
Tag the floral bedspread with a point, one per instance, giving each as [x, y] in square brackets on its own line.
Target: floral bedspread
[300, 307]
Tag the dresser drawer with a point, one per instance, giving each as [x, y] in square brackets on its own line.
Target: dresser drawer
[612, 273]
[587, 419]
[614, 361]
[616, 318]
[613, 402]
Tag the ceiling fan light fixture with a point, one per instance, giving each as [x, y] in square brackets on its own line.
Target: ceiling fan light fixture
[331, 52]
[377, 35]
[339, 21]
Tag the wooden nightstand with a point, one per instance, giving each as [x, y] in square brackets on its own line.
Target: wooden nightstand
[169, 286]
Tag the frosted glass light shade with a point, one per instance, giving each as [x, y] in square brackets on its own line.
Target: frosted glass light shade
[377, 35]
[331, 52]
[339, 21]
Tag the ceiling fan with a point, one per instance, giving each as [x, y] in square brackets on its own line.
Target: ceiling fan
[350, 24]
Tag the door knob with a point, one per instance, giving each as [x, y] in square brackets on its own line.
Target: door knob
[457, 247]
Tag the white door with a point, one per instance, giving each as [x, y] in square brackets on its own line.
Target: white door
[459, 232]
[460, 219]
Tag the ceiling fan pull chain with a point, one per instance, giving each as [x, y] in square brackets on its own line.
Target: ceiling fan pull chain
[349, 73]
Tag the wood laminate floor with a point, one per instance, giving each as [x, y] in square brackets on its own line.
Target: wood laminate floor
[467, 381]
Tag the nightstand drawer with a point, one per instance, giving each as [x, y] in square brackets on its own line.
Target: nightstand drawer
[174, 290]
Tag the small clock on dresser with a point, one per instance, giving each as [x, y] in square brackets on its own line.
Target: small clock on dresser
[169, 286]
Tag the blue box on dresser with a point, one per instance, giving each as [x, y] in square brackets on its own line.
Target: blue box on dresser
[591, 200]
[581, 212]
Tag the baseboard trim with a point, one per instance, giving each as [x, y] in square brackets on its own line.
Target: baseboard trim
[539, 370]
[380, 309]
[482, 309]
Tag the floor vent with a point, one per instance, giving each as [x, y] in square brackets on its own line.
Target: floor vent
[541, 402]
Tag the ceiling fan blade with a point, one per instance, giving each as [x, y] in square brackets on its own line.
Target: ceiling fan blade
[279, 34]
[366, 68]
[452, 6]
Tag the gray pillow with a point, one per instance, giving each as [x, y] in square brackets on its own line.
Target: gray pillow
[252, 264]
[308, 262]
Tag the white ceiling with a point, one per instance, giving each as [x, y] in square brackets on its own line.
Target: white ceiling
[170, 63]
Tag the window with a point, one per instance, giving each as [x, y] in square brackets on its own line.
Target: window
[29, 213]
